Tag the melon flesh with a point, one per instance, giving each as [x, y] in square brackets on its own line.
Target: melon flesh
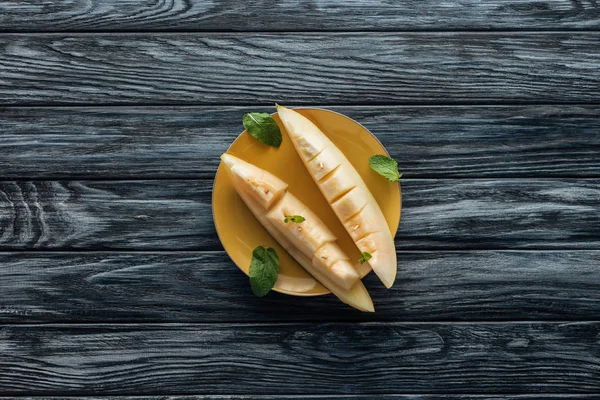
[262, 187]
[312, 246]
[345, 190]
[307, 236]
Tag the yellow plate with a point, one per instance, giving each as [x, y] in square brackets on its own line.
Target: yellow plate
[240, 232]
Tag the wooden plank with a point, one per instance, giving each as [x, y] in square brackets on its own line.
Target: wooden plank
[119, 215]
[207, 287]
[176, 215]
[304, 68]
[261, 15]
[185, 142]
[447, 214]
[300, 359]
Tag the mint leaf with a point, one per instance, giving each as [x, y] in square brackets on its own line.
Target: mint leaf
[364, 257]
[264, 268]
[294, 218]
[385, 166]
[263, 128]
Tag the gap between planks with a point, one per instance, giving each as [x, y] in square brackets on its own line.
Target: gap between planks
[373, 104]
[176, 178]
[417, 31]
[221, 251]
[110, 324]
[17, 250]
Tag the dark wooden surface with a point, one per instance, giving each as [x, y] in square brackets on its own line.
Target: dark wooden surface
[300, 15]
[204, 287]
[302, 68]
[112, 117]
[183, 142]
[375, 358]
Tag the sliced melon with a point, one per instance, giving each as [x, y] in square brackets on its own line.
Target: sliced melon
[331, 257]
[307, 236]
[261, 186]
[345, 191]
[308, 242]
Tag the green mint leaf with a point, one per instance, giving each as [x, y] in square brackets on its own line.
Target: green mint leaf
[364, 257]
[264, 268]
[294, 218]
[385, 166]
[263, 128]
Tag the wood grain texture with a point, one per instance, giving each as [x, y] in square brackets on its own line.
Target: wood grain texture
[186, 142]
[323, 359]
[504, 214]
[261, 15]
[207, 287]
[172, 215]
[123, 215]
[304, 68]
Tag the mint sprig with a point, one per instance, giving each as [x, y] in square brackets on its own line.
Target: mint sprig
[385, 166]
[264, 268]
[294, 218]
[364, 257]
[263, 128]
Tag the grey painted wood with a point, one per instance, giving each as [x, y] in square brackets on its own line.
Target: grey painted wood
[198, 15]
[505, 214]
[323, 359]
[185, 142]
[171, 215]
[122, 215]
[334, 68]
[207, 287]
